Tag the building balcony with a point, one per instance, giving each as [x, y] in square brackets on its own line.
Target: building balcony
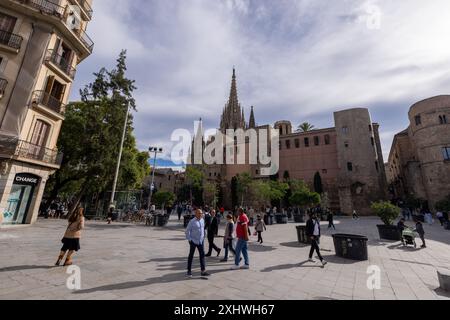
[50, 11]
[10, 40]
[11, 147]
[42, 98]
[86, 8]
[3, 84]
[83, 37]
[45, 6]
[61, 63]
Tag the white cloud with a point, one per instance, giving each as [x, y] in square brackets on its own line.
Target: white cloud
[295, 59]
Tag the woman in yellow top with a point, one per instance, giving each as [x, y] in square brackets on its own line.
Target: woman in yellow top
[71, 240]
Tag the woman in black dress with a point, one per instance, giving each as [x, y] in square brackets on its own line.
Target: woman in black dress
[71, 240]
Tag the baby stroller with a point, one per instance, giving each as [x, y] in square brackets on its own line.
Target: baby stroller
[409, 237]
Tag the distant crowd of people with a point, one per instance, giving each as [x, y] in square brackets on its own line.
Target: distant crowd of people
[57, 209]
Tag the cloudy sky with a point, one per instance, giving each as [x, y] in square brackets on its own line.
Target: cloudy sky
[298, 60]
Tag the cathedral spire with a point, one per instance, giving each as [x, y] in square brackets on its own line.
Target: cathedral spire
[232, 117]
[233, 101]
[252, 121]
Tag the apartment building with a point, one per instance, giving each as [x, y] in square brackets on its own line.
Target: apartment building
[41, 44]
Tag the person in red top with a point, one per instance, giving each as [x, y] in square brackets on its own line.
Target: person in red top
[241, 246]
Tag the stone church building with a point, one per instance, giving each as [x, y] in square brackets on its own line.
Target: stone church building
[348, 157]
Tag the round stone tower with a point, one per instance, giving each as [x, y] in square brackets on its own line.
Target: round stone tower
[284, 126]
[429, 132]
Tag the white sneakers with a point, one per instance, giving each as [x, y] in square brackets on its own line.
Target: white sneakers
[235, 267]
[245, 267]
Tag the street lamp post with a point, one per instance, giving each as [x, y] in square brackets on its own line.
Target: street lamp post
[113, 193]
[152, 184]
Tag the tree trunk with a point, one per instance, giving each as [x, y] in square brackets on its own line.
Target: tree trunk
[77, 200]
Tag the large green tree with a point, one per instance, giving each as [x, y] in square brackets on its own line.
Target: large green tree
[244, 181]
[194, 179]
[264, 192]
[90, 139]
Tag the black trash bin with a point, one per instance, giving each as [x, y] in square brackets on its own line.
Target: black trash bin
[351, 246]
[162, 219]
[301, 234]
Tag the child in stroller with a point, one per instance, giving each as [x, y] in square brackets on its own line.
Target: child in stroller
[407, 235]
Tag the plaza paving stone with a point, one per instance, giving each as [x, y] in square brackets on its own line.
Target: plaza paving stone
[126, 261]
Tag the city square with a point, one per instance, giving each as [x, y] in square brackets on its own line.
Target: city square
[291, 150]
[134, 262]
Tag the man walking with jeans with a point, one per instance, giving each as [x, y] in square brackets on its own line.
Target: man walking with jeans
[313, 232]
[195, 234]
[243, 237]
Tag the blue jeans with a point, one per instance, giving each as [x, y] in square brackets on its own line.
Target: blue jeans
[229, 247]
[241, 246]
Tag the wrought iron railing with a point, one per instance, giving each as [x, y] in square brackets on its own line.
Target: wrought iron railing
[87, 41]
[11, 146]
[10, 39]
[45, 6]
[48, 101]
[3, 84]
[51, 8]
[63, 64]
[35, 152]
[86, 7]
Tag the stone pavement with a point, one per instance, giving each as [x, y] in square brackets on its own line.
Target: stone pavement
[123, 261]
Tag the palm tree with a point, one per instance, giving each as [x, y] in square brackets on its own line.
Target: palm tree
[305, 127]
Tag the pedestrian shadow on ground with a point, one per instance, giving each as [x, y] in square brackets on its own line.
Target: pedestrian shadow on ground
[303, 264]
[171, 259]
[168, 278]
[338, 260]
[294, 244]
[22, 268]
[260, 248]
[404, 248]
